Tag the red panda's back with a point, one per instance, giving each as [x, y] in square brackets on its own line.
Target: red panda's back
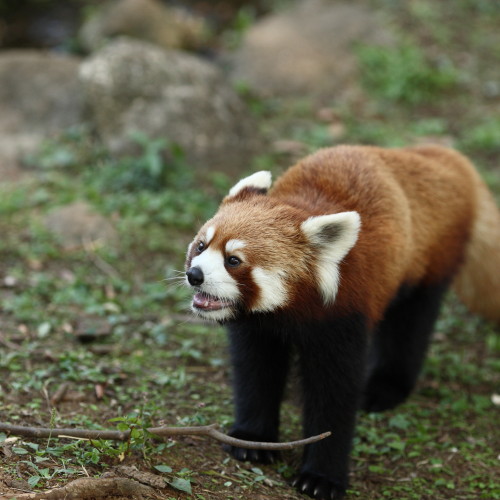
[416, 211]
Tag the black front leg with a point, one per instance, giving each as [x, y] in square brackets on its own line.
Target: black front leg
[259, 355]
[332, 357]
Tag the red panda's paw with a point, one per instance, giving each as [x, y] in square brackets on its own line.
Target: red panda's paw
[318, 486]
[385, 393]
[251, 455]
[255, 456]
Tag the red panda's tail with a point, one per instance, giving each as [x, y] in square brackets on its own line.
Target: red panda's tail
[478, 282]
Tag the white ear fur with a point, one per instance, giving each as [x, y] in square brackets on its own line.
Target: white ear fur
[334, 235]
[259, 180]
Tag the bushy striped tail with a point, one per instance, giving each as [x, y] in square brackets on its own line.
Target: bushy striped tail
[478, 282]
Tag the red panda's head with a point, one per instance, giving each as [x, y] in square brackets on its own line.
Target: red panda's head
[258, 254]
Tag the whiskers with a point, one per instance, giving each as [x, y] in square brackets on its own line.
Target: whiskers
[175, 278]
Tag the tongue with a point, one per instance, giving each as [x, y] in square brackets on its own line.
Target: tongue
[207, 303]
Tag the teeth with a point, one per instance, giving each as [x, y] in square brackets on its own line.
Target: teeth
[205, 304]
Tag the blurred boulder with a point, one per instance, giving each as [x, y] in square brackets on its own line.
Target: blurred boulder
[78, 225]
[40, 95]
[39, 92]
[148, 20]
[308, 50]
[134, 86]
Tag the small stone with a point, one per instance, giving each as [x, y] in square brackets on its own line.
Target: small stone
[10, 281]
[78, 225]
[92, 329]
[148, 20]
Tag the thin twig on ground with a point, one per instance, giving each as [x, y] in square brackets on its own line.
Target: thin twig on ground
[203, 430]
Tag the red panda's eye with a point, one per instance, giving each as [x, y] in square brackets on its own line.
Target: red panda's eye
[200, 247]
[233, 261]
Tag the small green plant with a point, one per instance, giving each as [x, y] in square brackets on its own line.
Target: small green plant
[71, 150]
[484, 137]
[149, 170]
[244, 18]
[403, 74]
[137, 425]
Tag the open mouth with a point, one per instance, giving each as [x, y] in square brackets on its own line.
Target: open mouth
[204, 302]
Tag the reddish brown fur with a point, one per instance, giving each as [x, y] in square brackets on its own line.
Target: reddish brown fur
[417, 210]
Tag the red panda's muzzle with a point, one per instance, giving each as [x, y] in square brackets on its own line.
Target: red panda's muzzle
[206, 302]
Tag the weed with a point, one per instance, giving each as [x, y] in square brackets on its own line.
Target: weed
[146, 171]
[483, 137]
[71, 150]
[403, 74]
[245, 17]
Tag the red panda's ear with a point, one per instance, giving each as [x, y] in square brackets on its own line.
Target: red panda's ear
[260, 182]
[333, 236]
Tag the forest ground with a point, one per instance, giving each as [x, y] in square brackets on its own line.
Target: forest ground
[104, 321]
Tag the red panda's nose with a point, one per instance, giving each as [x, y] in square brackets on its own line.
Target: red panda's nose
[195, 276]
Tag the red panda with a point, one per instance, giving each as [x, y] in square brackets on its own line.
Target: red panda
[345, 260]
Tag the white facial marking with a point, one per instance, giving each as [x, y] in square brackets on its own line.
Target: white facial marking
[259, 180]
[209, 234]
[190, 248]
[217, 281]
[233, 245]
[334, 235]
[272, 289]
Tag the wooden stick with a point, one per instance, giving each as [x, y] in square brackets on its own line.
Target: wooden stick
[204, 430]
[90, 487]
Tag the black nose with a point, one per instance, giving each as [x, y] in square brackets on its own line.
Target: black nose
[195, 276]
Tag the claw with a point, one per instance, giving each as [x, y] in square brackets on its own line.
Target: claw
[304, 486]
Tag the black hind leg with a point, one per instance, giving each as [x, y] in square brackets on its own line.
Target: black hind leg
[400, 344]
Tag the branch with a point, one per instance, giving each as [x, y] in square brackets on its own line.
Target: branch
[204, 430]
[87, 488]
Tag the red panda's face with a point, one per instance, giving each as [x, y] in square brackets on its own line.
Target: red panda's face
[259, 255]
[241, 261]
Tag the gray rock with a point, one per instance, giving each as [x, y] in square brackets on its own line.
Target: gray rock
[148, 20]
[40, 95]
[135, 86]
[308, 49]
[78, 225]
[39, 92]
